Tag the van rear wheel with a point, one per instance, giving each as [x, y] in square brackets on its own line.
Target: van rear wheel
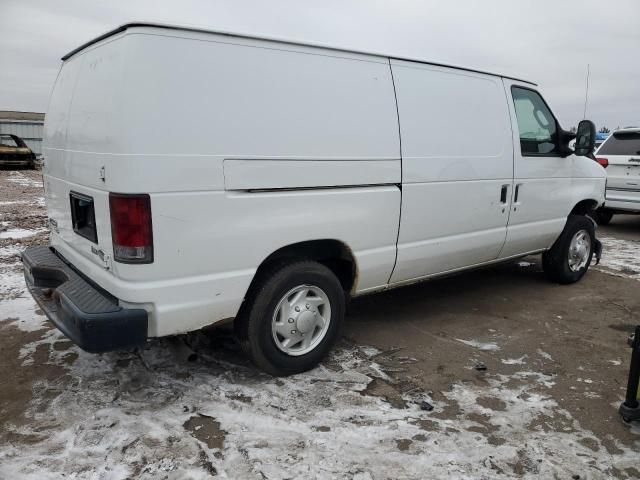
[570, 256]
[292, 317]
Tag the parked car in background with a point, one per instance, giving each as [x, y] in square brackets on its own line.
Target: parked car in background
[15, 153]
[303, 176]
[600, 138]
[620, 155]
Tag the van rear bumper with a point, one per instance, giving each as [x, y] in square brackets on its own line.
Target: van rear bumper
[86, 314]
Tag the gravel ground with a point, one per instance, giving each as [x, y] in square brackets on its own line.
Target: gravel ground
[524, 378]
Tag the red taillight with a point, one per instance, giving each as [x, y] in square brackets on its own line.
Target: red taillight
[603, 161]
[131, 231]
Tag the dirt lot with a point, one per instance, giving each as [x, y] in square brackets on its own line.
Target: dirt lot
[525, 378]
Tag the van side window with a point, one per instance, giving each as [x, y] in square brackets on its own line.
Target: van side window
[536, 123]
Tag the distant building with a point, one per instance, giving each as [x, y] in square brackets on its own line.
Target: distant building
[27, 125]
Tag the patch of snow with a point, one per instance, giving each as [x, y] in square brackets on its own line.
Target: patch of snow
[39, 201]
[370, 351]
[11, 250]
[620, 257]
[131, 425]
[23, 180]
[544, 355]
[19, 233]
[541, 379]
[515, 361]
[48, 338]
[17, 307]
[480, 345]
[523, 264]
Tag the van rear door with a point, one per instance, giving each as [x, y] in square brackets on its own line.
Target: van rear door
[80, 141]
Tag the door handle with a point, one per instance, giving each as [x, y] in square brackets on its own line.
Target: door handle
[503, 194]
[516, 193]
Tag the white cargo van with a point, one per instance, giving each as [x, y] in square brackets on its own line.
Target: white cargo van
[194, 176]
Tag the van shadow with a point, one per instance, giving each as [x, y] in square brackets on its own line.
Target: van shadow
[481, 289]
[628, 225]
[484, 291]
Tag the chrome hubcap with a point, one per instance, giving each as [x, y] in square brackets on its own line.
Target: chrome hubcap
[301, 320]
[579, 250]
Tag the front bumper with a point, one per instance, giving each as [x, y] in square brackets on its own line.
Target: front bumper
[86, 314]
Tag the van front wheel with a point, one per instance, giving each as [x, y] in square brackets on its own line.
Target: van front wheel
[293, 317]
[570, 256]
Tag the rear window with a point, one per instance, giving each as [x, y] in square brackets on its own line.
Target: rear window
[623, 143]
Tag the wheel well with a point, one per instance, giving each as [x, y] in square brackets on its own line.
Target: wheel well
[584, 207]
[333, 254]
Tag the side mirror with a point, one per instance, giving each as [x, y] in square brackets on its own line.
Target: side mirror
[585, 138]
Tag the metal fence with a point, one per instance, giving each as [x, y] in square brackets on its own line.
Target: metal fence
[29, 130]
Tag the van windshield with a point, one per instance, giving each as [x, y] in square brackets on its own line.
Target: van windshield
[622, 143]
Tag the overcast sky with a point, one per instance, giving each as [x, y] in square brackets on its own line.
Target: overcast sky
[546, 41]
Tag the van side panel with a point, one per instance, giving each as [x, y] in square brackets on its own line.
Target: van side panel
[457, 156]
[199, 122]
[243, 98]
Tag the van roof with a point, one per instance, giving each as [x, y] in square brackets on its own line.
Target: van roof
[126, 26]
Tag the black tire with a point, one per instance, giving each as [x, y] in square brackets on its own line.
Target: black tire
[555, 261]
[603, 216]
[253, 325]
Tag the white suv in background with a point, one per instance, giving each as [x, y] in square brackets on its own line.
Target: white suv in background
[620, 155]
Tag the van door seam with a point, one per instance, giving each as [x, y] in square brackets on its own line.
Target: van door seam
[513, 168]
[395, 96]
